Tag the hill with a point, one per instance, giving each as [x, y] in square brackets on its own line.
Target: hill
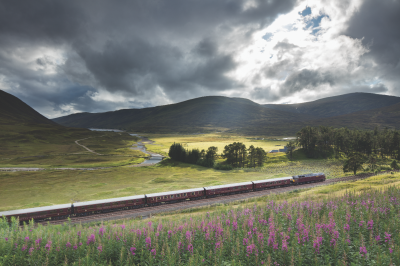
[13, 110]
[200, 114]
[338, 105]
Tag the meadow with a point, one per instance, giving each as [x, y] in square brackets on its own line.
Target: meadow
[357, 226]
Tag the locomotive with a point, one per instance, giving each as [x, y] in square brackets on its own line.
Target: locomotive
[63, 211]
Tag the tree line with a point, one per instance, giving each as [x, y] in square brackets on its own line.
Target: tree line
[359, 146]
[324, 141]
[236, 155]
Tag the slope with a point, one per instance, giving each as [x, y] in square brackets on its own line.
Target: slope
[200, 114]
[338, 105]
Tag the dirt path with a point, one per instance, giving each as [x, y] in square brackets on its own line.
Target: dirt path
[76, 141]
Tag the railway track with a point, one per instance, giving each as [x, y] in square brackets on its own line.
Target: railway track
[149, 211]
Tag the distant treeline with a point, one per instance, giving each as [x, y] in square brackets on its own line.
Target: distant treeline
[236, 155]
[324, 141]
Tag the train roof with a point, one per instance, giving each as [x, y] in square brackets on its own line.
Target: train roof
[307, 175]
[272, 180]
[94, 202]
[174, 192]
[230, 185]
[37, 209]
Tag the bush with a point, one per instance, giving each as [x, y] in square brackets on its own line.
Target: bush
[206, 162]
[226, 167]
[394, 165]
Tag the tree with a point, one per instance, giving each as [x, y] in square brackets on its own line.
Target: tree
[252, 156]
[260, 156]
[177, 152]
[290, 147]
[211, 153]
[354, 162]
[394, 165]
[372, 162]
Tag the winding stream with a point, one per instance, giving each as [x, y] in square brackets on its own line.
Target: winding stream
[155, 157]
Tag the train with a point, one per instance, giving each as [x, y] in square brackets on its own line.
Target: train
[63, 211]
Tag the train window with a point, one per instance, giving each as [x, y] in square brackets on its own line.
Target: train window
[172, 196]
[158, 198]
[185, 194]
[192, 193]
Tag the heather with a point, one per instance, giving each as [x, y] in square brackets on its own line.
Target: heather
[351, 229]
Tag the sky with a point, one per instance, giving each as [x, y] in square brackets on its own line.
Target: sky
[64, 57]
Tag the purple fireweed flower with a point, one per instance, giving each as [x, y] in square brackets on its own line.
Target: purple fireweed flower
[387, 237]
[180, 245]
[48, 245]
[91, 239]
[153, 252]
[37, 241]
[31, 250]
[217, 245]
[363, 251]
[390, 250]
[79, 233]
[100, 248]
[235, 225]
[346, 227]
[207, 236]
[23, 248]
[101, 231]
[80, 244]
[27, 238]
[370, 224]
[133, 251]
[6, 238]
[378, 238]
[68, 245]
[122, 226]
[250, 249]
[361, 223]
[245, 241]
[190, 248]
[159, 227]
[188, 235]
[149, 224]
[275, 245]
[348, 241]
[317, 243]
[139, 233]
[148, 242]
[75, 247]
[228, 222]
[169, 233]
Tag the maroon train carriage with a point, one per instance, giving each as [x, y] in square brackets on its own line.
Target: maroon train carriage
[174, 196]
[108, 205]
[308, 178]
[229, 189]
[272, 183]
[54, 212]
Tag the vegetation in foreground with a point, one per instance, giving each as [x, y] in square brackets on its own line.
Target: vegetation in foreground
[347, 229]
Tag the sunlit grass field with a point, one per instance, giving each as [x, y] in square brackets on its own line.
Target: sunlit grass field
[203, 141]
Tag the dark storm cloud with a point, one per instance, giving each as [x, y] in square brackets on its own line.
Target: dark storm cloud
[377, 24]
[184, 48]
[306, 79]
[264, 93]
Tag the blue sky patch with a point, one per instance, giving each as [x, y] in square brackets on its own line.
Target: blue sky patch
[267, 36]
[306, 12]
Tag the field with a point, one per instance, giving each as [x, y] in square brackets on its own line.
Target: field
[331, 225]
[220, 140]
[32, 189]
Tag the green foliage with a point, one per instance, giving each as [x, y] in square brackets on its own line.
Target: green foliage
[206, 162]
[354, 163]
[177, 152]
[226, 167]
[394, 165]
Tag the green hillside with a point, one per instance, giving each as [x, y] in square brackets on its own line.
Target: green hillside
[338, 105]
[200, 114]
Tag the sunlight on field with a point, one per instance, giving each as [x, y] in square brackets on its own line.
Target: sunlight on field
[204, 141]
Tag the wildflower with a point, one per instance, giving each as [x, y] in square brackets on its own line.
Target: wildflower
[361, 224]
[370, 224]
[79, 233]
[228, 222]
[6, 238]
[91, 239]
[190, 248]
[149, 224]
[378, 238]
[348, 241]
[275, 245]
[245, 241]
[101, 231]
[48, 245]
[148, 242]
[180, 245]
[100, 248]
[27, 238]
[169, 233]
[31, 250]
[80, 243]
[68, 245]
[250, 249]
[317, 243]
[122, 226]
[346, 227]
[133, 251]
[23, 248]
[153, 252]
[75, 247]
[37, 241]
[188, 235]
[363, 251]
[217, 245]
[390, 250]
[387, 237]
[159, 227]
